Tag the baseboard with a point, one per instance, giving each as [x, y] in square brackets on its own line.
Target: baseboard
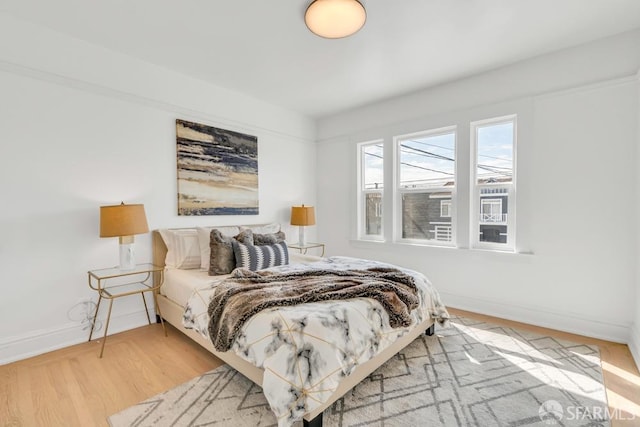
[634, 343]
[567, 322]
[45, 340]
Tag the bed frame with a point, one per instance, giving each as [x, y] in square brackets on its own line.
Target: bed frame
[172, 313]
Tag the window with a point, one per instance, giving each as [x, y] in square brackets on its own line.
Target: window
[428, 202]
[491, 211]
[425, 170]
[445, 208]
[493, 145]
[371, 187]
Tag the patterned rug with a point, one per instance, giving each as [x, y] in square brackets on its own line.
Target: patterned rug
[469, 374]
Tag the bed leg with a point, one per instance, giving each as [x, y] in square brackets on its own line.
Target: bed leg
[316, 422]
[157, 319]
[431, 330]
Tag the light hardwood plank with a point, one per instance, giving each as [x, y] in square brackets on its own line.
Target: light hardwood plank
[73, 387]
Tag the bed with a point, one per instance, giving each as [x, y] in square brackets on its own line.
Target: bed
[185, 287]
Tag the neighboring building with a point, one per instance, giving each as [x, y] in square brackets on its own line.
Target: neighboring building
[373, 217]
[427, 216]
[493, 215]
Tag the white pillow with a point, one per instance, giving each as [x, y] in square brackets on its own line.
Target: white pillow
[263, 229]
[204, 241]
[183, 249]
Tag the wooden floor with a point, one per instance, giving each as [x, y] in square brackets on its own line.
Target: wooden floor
[73, 387]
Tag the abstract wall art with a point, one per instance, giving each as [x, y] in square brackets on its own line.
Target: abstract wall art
[217, 171]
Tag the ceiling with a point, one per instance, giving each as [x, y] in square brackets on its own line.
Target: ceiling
[263, 49]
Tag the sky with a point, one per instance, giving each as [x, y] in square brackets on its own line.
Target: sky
[429, 160]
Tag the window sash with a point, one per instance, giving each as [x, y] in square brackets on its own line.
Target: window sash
[427, 228]
[493, 229]
[496, 226]
[365, 221]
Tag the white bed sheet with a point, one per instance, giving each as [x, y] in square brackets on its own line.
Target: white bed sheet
[179, 284]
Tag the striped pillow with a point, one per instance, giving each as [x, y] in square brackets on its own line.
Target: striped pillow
[258, 257]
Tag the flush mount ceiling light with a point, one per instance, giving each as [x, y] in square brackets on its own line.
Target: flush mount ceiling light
[334, 19]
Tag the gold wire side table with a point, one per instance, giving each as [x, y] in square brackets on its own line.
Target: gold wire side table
[304, 248]
[112, 283]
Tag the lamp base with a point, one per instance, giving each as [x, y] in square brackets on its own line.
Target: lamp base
[127, 254]
[302, 241]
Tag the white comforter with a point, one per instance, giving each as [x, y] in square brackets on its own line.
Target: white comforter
[306, 350]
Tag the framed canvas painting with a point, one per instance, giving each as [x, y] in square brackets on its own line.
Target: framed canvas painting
[217, 171]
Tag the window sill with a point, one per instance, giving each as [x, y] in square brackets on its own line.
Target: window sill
[379, 244]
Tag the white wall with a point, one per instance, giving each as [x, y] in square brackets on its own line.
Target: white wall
[81, 127]
[577, 186]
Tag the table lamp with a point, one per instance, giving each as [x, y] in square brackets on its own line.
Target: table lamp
[302, 216]
[123, 221]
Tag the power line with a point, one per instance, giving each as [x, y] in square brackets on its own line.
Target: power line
[496, 167]
[428, 153]
[414, 166]
[432, 145]
[420, 152]
[453, 149]
[374, 155]
[441, 157]
[427, 169]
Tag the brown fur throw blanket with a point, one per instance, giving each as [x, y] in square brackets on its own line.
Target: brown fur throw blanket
[246, 293]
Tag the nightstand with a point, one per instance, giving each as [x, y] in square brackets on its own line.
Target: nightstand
[112, 283]
[306, 247]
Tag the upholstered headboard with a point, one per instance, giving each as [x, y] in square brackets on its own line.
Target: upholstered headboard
[159, 253]
[159, 248]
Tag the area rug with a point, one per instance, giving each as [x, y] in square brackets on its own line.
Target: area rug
[471, 373]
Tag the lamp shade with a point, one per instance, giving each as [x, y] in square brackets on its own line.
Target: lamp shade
[122, 220]
[303, 215]
[334, 19]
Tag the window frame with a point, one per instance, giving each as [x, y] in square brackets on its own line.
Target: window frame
[362, 194]
[476, 189]
[398, 192]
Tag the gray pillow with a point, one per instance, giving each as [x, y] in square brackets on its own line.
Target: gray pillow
[258, 257]
[245, 237]
[268, 239]
[222, 259]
